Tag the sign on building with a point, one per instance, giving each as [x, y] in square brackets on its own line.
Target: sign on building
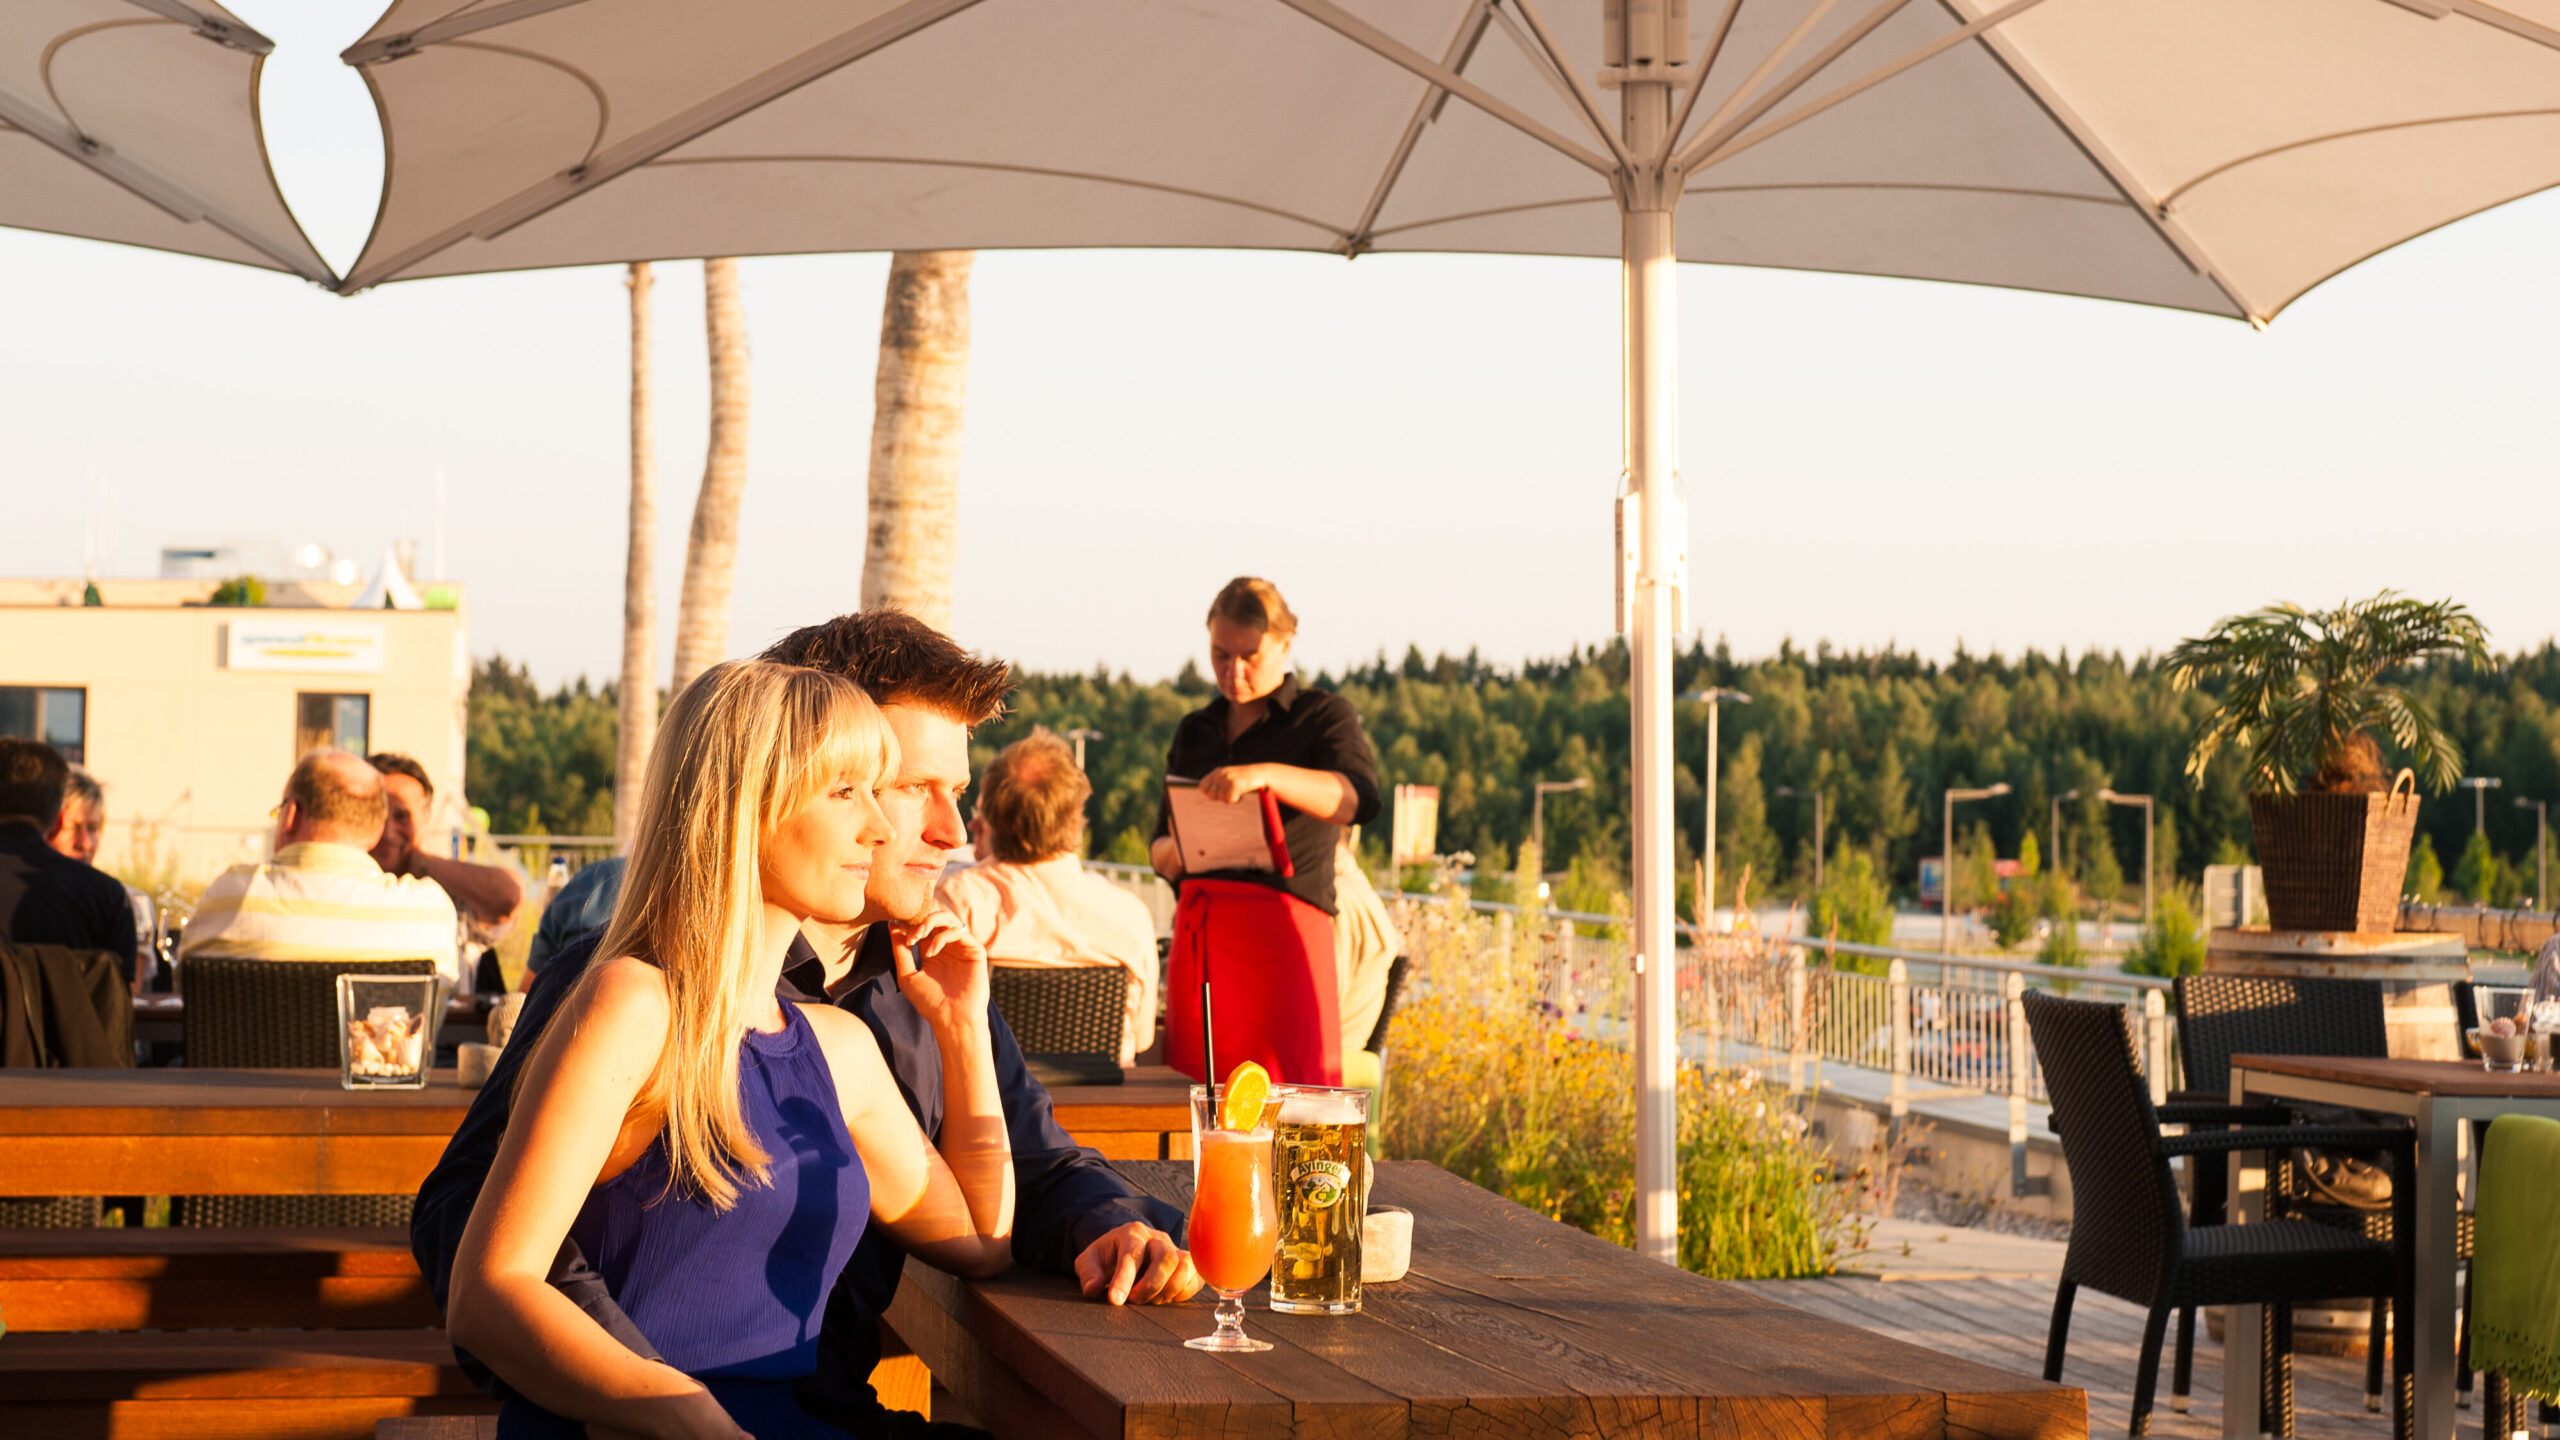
[1417, 825]
[304, 643]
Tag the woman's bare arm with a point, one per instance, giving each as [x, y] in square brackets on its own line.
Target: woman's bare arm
[956, 1214]
[1326, 794]
[570, 1130]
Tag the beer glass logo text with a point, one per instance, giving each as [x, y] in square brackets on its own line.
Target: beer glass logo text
[1322, 1182]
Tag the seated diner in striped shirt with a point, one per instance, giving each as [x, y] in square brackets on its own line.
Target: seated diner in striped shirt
[321, 896]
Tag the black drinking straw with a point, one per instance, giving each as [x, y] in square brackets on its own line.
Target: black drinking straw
[1208, 1042]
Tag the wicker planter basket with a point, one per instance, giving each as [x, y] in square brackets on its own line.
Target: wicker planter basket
[2335, 862]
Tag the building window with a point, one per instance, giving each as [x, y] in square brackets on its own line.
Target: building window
[332, 722]
[57, 716]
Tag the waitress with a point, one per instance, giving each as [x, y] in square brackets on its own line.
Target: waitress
[1263, 941]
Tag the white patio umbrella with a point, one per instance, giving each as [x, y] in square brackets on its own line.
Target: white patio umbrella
[137, 121]
[2202, 154]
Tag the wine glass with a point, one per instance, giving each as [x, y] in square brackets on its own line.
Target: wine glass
[1235, 1214]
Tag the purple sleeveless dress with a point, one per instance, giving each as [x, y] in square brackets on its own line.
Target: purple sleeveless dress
[735, 1299]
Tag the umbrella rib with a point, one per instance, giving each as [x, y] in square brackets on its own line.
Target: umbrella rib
[218, 29]
[1768, 63]
[2118, 174]
[452, 27]
[1549, 56]
[2227, 166]
[1716, 134]
[1736, 142]
[147, 184]
[873, 35]
[1462, 48]
[595, 91]
[2497, 19]
[1526, 207]
[1386, 47]
[1001, 167]
[1698, 81]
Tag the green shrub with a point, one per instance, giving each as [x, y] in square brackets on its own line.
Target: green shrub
[1491, 1087]
[2425, 883]
[240, 590]
[1852, 904]
[2171, 942]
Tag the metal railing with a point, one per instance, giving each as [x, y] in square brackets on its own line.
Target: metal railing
[1936, 1026]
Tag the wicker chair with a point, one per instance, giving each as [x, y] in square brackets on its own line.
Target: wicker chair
[2220, 1016]
[274, 1015]
[2129, 1239]
[1067, 1018]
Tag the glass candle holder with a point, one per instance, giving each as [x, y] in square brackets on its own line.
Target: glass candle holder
[386, 1030]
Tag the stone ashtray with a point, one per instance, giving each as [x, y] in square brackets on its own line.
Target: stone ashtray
[472, 1062]
[2500, 1052]
[1386, 1245]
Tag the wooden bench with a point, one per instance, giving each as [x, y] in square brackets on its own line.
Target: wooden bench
[327, 1334]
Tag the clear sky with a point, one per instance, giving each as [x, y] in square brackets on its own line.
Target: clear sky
[1417, 449]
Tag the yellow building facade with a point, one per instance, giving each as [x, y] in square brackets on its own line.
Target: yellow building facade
[191, 715]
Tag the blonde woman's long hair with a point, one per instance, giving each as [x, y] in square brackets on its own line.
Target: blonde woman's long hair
[743, 749]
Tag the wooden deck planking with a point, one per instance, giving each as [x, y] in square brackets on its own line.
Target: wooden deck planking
[2002, 1321]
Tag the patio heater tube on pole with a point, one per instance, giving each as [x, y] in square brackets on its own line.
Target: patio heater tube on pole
[1947, 860]
[2112, 798]
[1634, 39]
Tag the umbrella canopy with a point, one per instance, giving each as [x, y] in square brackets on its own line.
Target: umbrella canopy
[2189, 153]
[137, 121]
[2200, 154]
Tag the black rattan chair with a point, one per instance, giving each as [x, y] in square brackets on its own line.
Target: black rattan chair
[2220, 1016]
[1067, 1018]
[275, 1015]
[2129, 1238]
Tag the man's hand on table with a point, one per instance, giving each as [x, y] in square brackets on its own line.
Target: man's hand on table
[1137, 1264]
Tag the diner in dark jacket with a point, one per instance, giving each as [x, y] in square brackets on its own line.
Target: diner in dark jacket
[1066, 1196]
[1263, 941]
[46, 897]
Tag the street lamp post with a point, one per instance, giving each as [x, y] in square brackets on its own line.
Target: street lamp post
[1791, 792]
[1538, 811]
[2144, 801]
[1080, 735]
[1947, 861]
[1711, 695]
[2480, 786]
[2541, 850]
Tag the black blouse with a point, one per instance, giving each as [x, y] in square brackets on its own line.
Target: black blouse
[1309, 728]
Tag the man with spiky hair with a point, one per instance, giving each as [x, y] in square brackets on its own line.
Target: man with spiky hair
[1074, 1214]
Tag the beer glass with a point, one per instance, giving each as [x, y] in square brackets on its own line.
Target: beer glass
[1323, 1177]
[1234, 1220]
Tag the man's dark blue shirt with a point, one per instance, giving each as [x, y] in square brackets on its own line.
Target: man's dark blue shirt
[1065, 1197]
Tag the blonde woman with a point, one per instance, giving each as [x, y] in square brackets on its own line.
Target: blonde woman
[714, 1151]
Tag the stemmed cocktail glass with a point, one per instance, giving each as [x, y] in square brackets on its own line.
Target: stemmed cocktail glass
[1235, 1214]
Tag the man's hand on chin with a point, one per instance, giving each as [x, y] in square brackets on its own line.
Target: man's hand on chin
[1137, 1264]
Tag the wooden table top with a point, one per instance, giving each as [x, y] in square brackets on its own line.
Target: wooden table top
[314, 1102]
[2412, 1077]
[1508, 1323]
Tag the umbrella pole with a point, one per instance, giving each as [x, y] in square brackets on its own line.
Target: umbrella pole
[1652, 448]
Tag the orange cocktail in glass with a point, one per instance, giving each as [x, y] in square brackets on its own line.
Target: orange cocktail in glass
[1235, 1215]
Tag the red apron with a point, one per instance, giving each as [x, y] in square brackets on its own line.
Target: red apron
[1268, 956]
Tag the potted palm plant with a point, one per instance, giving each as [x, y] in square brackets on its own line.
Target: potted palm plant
[2301, 695]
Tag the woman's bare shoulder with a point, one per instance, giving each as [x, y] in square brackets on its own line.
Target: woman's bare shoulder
[624, 993]
[845, 1039]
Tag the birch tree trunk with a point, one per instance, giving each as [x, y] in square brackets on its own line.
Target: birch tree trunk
[639, 584]
[913, 541]
[711, 554]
